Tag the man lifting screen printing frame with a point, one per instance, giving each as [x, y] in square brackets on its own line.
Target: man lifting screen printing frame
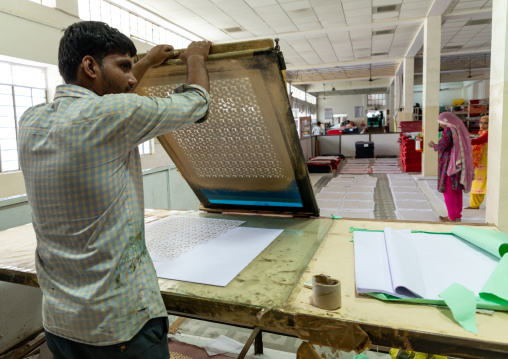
[82, 171]
[263, 295]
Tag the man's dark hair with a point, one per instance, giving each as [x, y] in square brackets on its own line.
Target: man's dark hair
[93, 38]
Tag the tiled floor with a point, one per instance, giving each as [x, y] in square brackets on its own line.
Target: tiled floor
[385, 208]
[416, 188]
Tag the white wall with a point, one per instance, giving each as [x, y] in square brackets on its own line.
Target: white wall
[468, 90]
[446, 97]
[32, 32]
[342, 104]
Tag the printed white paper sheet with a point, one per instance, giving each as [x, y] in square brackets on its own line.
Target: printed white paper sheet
[220, 260]
[176, 235]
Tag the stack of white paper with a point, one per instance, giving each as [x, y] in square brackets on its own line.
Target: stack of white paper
[418, 265]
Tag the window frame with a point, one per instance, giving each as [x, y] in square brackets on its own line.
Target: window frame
[379, 99]
[132, 28]
[151, 147]
[15, 108]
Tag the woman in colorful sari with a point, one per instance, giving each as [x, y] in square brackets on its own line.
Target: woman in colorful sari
[455, 167]
[480, 149]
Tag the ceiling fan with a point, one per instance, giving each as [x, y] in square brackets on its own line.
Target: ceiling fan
[370, 74]
[470, 75]
[469, 70]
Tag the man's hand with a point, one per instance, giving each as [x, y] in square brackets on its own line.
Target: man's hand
[195, 57]
[160, 53]
[196, 49]
[156, 56]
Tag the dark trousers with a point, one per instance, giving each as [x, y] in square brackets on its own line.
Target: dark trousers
[151, 342]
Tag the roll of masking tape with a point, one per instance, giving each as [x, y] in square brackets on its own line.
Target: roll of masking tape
[326, 292]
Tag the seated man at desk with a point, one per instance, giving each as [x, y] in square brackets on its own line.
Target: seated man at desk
[347, 123]
[82, 170]
[316, 131]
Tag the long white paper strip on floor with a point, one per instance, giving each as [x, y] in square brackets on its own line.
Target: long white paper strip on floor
[219, 260]
[412, 265]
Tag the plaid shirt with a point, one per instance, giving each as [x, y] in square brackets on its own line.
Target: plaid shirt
[80, 160]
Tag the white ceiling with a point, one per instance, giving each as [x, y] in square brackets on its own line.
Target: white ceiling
[327, 41]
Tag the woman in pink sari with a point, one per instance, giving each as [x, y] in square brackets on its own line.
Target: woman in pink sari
[455, 168]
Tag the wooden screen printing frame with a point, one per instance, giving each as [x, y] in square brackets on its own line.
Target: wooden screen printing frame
[260, 56]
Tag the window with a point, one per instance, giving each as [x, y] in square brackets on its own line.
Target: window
[134, 26]
[130, 24]
[21, 87]
[378, 99]
[297, 93]
[49, 3]
[145, 148]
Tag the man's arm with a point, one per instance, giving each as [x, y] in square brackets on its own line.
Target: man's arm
[156, 56]
[195, 58]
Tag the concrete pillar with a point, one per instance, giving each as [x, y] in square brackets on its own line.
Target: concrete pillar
[430, 95]
[497, 190]
[391, 107]
[398, 101]
[408, 88]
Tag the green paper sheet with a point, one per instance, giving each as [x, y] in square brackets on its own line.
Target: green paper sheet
[496, 288]
[354, 229]
[462, 303]
[487, 304]
[494, 242]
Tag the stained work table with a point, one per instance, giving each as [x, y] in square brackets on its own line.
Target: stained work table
[269, 292]
[423, 328]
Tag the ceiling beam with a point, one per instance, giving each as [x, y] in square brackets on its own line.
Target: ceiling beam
[438, 7]
[400, 68]
[473, 69]
[343, 80]
[343, 63]
[465, 52]
[416, 45]
[470, 14]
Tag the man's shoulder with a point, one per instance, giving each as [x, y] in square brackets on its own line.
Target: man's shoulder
[123, 101]
[32, 113]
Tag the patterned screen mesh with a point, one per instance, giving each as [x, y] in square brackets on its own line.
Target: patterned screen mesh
[234, 142]
[246, 153]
